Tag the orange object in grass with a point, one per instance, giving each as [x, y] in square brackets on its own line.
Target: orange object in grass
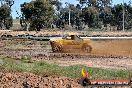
[84, 74]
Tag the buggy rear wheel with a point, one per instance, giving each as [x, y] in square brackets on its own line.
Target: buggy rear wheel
[87, 48]
[56, 47]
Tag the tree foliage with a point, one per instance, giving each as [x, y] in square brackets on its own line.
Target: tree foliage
[5, 16]
[38, 13]
[87, 13]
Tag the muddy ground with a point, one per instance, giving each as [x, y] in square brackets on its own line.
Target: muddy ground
[18, 49]
[101, 47]
[38, 50]
[29, 80]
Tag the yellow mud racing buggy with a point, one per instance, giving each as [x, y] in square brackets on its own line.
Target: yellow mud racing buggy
[71, 43]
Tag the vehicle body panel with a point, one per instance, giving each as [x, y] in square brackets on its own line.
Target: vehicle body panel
[70, 43]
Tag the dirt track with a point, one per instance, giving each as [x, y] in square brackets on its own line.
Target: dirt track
[114, 47]
[22, 80]
[111, 47]
[107, 47]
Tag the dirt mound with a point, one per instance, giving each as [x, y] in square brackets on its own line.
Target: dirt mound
[29, 80]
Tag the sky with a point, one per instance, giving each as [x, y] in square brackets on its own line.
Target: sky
[16, 6]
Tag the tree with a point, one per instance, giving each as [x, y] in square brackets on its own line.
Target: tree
[38, 14]
[5, 16]
[9, 2]
[89, 15]
[57, 3]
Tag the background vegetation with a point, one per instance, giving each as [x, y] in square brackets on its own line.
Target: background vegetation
[94, 14]
[97, 14]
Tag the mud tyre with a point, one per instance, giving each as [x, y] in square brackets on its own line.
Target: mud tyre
[56, 47]
[87, 48]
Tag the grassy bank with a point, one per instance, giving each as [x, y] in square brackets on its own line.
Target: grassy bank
[44, 68]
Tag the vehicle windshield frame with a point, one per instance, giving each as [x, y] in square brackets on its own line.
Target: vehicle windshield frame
[76, 37]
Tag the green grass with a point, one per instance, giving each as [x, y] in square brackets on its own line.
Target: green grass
[47, 69]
